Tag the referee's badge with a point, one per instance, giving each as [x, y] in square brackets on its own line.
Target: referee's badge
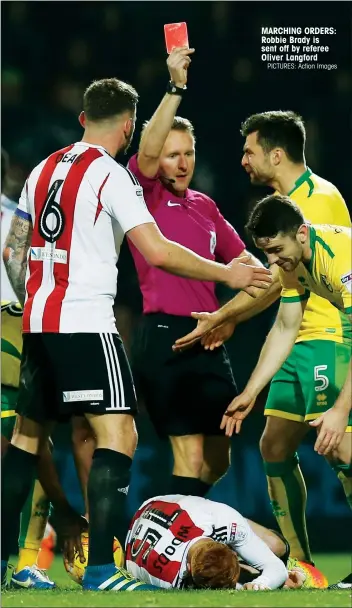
[212, 241]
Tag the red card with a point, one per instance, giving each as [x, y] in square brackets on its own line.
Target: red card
[175, 35]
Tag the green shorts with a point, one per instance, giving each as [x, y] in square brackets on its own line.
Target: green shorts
[309, 381]
[8, 410]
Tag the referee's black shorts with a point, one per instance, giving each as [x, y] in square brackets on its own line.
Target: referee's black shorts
[73, 374]
[185, 393]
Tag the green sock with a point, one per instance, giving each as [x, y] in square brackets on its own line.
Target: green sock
[344, 473]
[288, 496]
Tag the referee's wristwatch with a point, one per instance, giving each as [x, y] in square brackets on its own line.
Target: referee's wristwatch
[172, 89]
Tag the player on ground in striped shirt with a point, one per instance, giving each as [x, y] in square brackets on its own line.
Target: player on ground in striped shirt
[182, 542]
[60, 256]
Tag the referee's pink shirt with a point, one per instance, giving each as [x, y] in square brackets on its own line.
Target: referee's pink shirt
[195, 222]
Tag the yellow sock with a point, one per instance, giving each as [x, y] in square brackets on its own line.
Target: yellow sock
[34, 518]
[26, 557]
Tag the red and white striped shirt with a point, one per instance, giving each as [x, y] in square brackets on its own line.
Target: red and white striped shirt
[165, 527]
[81, 203]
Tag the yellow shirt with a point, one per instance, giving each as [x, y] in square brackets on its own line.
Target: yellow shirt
[11, 343]
[329, 272]
[321, 203]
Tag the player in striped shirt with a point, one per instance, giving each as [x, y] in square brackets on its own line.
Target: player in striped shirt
[182, 542]
[28, 573]
[61, 255]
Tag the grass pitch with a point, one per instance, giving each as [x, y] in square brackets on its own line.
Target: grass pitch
[335, 566]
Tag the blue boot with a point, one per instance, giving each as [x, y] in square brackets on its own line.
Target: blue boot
[111, 578]
[31, 578]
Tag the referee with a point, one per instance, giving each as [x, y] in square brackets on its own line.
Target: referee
[185, 394]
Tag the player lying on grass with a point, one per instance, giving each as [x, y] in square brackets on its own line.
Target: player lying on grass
[184, 542]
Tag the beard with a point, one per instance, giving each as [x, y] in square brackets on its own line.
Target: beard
[258, 179]
[127, 144]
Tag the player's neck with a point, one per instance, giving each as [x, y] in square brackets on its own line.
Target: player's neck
[285, 181]
[104, 139]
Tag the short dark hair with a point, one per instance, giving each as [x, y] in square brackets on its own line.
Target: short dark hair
[109, 97]
[179, 124]
[284, 129]
[274, 214]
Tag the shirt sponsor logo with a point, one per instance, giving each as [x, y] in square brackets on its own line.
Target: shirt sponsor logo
[346, 280]
[94, 395]
[233, 531]
[40, 254]
[219, 534]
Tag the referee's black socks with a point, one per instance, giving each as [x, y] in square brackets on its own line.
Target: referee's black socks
[189, 486]
[108, 483]
[18, 469]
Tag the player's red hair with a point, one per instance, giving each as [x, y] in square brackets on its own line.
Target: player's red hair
[214, 566]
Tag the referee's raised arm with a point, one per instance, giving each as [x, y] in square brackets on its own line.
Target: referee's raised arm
[184, 394]
[158, 128]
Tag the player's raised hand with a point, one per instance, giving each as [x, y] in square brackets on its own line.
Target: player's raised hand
[332, 426]
[206, 322]
[216, 337]
[242, 274]
[178, 63]
[237, 411]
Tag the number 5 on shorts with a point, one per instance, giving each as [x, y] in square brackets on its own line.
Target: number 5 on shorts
[319, 377]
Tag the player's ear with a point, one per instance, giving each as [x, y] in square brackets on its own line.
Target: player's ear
[82, 119]
[128, 126]
[276, 156]
[302, 233]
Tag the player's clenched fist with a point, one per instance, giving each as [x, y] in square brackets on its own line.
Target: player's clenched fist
[178, 62]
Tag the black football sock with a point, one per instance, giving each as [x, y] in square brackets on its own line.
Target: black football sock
[189, 486]
[18, 469]
[108, 482]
